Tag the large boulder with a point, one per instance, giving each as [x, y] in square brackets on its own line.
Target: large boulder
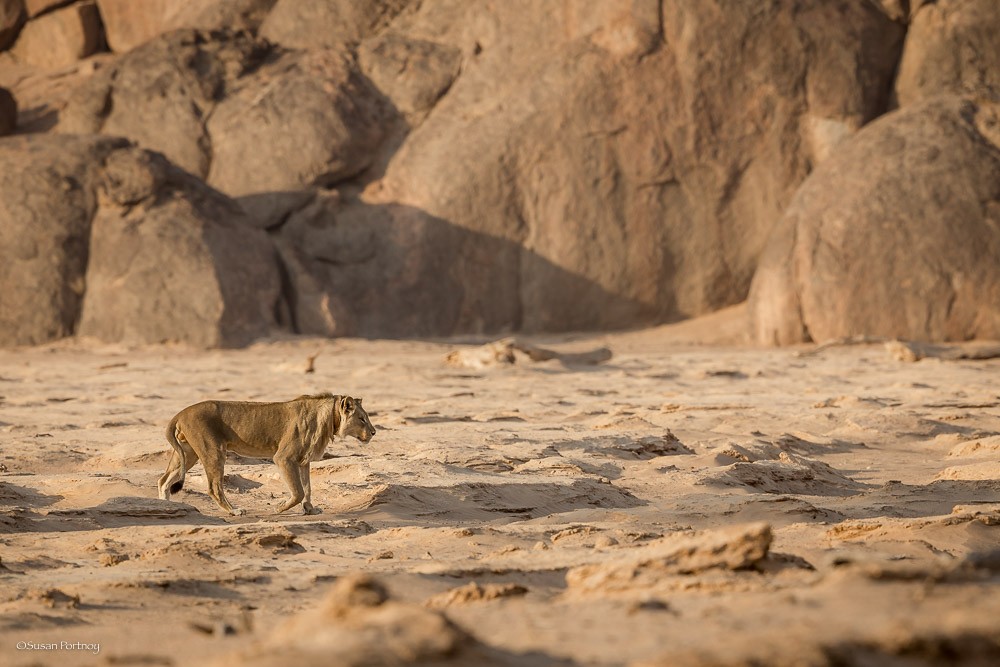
[951, 46]
[174, 260]
[321, 24]
[47, 201]
[896, 235]
[60, 37]
[305, 119]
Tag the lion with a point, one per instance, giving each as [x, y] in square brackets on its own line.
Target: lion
[292, 433]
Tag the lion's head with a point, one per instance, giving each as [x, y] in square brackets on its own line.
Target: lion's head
[353, 419]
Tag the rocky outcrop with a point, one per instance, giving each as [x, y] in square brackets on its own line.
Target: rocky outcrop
[47, 200]
[621, 172]
[160, 94]
[474, 166]
[951, 47]
[897, 235]
[235, 110]
[100, 238]
[173, 260]
[60, 37]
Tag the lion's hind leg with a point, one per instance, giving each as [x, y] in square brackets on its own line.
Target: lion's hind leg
[204, 439]
[213, 458]
[171, 476]
[181, 460]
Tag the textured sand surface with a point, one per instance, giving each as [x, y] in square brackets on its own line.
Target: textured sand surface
[676, 504]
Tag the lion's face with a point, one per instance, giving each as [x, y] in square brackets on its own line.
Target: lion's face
[354, 420]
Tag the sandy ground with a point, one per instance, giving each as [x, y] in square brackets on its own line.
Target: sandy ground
[606, 514]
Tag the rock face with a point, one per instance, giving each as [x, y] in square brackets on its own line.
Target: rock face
[173, 260]
[46, 206]
[100, 238]
[897, 235]
[555, 165]
[427, 275]
[468, 166]
[621, 173]
[951, 47]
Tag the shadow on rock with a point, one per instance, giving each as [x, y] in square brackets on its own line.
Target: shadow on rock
[357, 269]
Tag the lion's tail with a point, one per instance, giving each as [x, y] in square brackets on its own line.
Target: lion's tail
[172, 432]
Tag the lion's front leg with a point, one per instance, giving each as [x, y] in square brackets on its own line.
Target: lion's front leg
[290, 471]
[307, 506]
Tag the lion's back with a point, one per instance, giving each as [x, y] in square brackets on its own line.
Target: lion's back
[249, 419]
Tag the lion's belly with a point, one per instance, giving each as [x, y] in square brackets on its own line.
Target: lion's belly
[257, 450]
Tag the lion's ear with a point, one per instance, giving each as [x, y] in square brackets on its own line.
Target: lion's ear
[359, 400]
[348, 404]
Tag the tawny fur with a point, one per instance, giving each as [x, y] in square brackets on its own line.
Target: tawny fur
[292, 433]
